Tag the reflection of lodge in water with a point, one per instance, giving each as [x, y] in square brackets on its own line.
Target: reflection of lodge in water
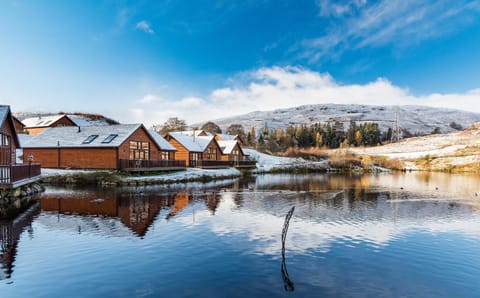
[137, 211]
[10, 232]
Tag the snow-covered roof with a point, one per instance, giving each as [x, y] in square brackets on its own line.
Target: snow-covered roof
[161, 142]
[227, 146]
[191, 143]
[88, 136]
[42, 121]
[197, 132]
[24, 138]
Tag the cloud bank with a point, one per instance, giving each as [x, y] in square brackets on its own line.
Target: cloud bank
[283, 87]
[358, 24]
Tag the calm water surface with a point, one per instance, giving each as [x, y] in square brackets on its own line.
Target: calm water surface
[402, 235]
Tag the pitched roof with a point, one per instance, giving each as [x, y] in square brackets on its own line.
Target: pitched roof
[227, 146]
[6, 115]
[161, 142]
[42, 121]
[191, 143]
[75, 137]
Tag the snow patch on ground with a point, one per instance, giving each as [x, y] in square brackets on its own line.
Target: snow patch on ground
[266, 163]
[188, 174]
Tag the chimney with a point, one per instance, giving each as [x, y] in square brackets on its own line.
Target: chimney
[79, 129]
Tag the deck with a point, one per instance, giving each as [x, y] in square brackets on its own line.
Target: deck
[18, 175]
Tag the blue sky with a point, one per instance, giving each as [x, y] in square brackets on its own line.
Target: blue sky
[145, 61]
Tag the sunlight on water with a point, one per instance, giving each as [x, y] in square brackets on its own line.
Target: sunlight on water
[357, 236]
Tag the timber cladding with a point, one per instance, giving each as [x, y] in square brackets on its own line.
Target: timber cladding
[182, 152]
[74, 158]
[140, 135]
[8, 130]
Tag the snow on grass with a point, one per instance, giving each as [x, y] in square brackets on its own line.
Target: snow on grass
[188, 174]
[62, 172]
[266, 163]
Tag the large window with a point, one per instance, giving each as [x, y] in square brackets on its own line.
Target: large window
[164, 155]
[211, 154]
[139, 150]
[5, 158]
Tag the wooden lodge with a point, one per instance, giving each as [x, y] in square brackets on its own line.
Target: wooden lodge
[197, 150]
[11, 173]
[128, 147]
[37, 125]
[201, 149]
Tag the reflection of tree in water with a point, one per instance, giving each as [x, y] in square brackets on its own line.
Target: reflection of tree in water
[287, 282]
[10, 232]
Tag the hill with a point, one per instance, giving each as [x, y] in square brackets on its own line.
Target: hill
[81, 119]
[416, 120]
[456, 152]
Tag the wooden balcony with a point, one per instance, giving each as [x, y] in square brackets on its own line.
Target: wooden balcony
[18, 175]
[151, 165]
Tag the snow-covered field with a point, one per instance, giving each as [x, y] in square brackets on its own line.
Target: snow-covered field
[266, 163]
[453, 149]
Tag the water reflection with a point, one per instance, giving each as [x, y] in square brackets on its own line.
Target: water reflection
[365, 236]
[10, 232]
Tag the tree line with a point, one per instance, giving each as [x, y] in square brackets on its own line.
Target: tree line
[320, 135]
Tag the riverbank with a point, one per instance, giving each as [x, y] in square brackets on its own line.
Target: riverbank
[457, 152]
[115, 178]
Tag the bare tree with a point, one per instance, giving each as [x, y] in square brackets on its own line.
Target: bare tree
[236, 129]
[172, 124]
[211, 127]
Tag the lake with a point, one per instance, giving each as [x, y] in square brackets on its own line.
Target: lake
[386, 235]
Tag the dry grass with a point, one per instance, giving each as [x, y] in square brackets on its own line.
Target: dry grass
[388, 163]
[312, 153]
[344, 159]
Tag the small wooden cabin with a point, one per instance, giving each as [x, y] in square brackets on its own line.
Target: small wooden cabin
[128, 147]
[197, 150]
[37, 125]
[225, 137]
[232, 151]
[11, 174]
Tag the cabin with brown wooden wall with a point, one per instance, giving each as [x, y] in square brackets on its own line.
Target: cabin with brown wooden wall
[133, 143]
[35, 126]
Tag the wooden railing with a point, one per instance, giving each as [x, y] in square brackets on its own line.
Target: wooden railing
[150, 164]
[15, 173]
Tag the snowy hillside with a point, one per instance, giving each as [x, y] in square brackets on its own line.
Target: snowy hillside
[80, 119]
[418, 120]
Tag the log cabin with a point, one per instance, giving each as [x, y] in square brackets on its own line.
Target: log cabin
[129, 147]
[37, 125]
[197, 150]
[11, 173]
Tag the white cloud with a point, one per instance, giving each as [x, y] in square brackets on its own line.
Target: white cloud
[148, 98]
[144, 26]
[359, 24]
[282, 87]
